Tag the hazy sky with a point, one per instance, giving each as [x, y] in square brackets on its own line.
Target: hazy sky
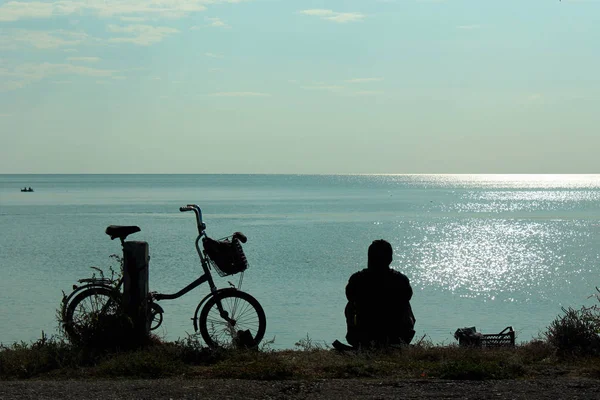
[290, 86]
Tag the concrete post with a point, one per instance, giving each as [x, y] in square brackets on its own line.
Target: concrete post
[135, 288]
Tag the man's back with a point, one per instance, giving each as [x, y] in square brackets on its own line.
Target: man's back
[379, 304]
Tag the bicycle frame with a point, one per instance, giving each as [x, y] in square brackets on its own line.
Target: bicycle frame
[206, 276]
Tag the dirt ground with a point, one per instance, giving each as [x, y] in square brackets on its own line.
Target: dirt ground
[563, 388]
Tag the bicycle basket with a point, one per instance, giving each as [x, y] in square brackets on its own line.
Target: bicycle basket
[226, 254]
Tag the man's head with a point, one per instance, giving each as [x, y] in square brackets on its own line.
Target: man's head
[380, 254]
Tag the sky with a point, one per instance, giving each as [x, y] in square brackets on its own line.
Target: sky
[299, 86]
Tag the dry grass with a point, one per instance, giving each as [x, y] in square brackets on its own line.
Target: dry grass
[51, 358]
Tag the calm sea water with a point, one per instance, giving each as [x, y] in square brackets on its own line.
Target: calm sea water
[480, 250]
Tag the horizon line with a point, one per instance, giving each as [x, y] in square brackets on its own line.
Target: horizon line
[306, 174]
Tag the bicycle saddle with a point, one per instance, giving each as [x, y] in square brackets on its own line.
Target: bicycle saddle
[121, 232]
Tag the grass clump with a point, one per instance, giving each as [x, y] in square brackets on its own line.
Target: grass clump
[22, 360]
[55, 359]
[576, 332]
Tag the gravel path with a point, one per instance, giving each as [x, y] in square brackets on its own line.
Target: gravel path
[563, 388]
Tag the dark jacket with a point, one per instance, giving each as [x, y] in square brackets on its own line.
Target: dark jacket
[378, 308]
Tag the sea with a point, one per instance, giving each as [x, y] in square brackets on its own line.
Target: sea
[488, 251]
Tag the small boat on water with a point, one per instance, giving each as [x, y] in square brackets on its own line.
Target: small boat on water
[29, 189]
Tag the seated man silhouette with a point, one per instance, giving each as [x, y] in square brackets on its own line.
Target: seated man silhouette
[378, 312]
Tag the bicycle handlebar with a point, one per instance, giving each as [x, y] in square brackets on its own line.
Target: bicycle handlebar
[202, 226]
[196, 209]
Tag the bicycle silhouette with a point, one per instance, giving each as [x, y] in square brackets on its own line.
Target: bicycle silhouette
[225, 317]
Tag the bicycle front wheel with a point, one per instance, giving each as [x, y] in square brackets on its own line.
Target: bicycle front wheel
[243, 323]
[88, 309]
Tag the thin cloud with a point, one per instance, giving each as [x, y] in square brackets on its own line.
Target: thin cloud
[468, 27]
[364, 80]
[213, 55]
[240, 94]
[84, 59]
[17, 38]
[18, 10]
[324, 87]
[133, 19]
[334, 16]
[26, 74]
[367, 93]
[216, 22]
[141, 35]
[341, 90]
[534, 98]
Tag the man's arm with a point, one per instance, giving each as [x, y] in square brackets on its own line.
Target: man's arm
[351, 289]
[404, 289]
[409, 291]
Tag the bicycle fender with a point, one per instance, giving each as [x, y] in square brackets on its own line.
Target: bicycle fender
[157, 307]
[67, 299]
[208, 296]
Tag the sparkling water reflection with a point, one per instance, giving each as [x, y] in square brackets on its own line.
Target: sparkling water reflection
[495, 258]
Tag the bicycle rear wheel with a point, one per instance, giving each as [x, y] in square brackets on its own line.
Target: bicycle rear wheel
[89, 309]
[244, 327]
